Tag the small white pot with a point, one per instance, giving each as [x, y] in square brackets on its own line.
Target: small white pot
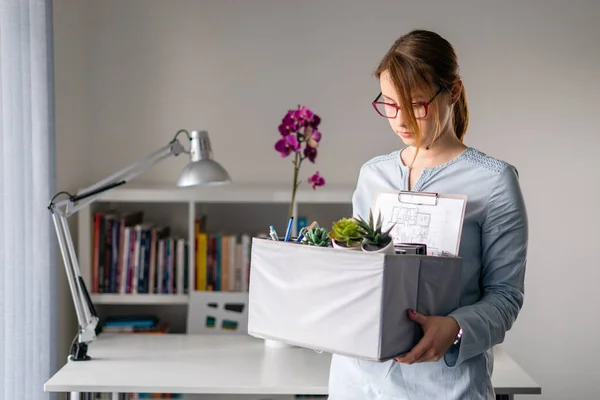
[337, 246]
[389, 249]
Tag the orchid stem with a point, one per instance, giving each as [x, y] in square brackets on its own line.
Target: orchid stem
[297, 162]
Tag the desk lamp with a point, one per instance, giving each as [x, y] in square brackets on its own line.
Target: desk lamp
[201, 170]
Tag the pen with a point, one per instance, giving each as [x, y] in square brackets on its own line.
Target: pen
[306, 229]
[301, 235]
[273, 234]
[289, 229]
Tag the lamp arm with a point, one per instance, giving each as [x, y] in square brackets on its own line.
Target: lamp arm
[88, 195]
[87, 317]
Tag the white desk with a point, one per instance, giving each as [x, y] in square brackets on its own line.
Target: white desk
[221, 364]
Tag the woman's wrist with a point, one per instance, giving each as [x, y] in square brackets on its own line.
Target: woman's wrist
[459, 332]
[458, 336]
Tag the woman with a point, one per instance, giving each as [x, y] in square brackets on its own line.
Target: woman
[423, 98]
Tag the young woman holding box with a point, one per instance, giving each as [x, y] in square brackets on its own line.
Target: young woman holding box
[424, 100]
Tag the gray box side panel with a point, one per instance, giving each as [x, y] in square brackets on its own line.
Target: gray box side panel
[439, 285]
[401, 275]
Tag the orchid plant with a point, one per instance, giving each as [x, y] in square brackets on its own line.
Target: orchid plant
[299, 130]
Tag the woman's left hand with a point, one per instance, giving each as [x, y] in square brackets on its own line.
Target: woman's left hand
[439, 333]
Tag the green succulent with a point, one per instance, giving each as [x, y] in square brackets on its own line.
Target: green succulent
[317, 237]
[372, 233]
[346, 231]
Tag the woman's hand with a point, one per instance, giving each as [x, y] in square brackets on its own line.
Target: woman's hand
[438, 335]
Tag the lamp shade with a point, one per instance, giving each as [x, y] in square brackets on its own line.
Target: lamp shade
[202, 169]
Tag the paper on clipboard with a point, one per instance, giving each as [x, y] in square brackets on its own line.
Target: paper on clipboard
[430, 218]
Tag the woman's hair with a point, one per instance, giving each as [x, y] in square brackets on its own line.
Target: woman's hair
[424, 60]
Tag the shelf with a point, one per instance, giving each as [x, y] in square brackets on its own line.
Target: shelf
[109, 298]
[234, 193]
[166, 204]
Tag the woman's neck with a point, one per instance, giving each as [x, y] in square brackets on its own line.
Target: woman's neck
[444, 149]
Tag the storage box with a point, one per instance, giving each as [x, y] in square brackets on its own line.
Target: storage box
[346, 302]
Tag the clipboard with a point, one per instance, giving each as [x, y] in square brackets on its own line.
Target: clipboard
[433, 219]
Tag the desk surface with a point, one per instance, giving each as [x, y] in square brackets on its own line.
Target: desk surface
[220, 364]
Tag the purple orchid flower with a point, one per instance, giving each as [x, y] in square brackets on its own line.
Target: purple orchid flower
[310, 153]
[300, 136]
[303, 115]
[316, 120]
[288, 124]
[316, 180]
[287, 144]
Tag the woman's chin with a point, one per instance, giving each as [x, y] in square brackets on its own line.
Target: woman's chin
[409, 141]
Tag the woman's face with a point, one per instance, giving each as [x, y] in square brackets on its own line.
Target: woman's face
[426, 124]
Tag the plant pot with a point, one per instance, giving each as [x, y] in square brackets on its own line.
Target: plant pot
[388, 249]
[337, 245]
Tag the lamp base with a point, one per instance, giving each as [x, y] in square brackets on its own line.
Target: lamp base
[79, 352]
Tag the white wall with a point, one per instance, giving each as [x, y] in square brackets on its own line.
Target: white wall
[72, 136]
[234, 67]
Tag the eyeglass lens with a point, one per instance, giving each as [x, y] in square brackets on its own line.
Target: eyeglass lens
[390, 110]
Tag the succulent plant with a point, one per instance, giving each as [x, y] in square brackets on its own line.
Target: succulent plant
[346, 232]
[317, 237]
[373, 237]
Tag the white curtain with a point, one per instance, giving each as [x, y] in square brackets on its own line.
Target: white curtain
[27, 239]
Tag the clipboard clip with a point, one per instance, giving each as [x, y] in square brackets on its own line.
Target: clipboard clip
[418, 198]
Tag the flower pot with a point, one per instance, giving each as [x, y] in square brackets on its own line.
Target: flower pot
[388, 249]
[337, 245]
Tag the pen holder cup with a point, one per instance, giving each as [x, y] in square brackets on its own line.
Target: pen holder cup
[346, 302]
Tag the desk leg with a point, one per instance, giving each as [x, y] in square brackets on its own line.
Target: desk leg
[505, 397]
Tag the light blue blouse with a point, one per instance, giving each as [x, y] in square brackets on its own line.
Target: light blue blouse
[494, 250]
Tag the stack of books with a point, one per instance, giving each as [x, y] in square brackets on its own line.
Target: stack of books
[134, 324]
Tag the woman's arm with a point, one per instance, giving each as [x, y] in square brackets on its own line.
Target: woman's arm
[361, 198]
[504, 236]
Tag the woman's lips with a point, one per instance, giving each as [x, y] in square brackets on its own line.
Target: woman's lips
[406, 135]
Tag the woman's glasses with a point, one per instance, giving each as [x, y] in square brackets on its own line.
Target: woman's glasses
[389, 110]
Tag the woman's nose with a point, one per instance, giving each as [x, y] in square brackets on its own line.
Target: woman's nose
[399, 121]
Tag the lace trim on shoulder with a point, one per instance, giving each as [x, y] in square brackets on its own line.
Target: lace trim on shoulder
[483, 160]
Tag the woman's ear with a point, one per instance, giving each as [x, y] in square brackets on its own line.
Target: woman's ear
[456, 90]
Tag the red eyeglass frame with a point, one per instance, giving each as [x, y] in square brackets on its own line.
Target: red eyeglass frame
[423, 103]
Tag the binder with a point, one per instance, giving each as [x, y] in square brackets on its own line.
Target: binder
[434, 219]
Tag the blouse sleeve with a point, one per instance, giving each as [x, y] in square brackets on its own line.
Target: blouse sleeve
[504, 236]
[362, 196]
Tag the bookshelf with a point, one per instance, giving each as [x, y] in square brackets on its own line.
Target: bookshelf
[235, 209]
[117, 298]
